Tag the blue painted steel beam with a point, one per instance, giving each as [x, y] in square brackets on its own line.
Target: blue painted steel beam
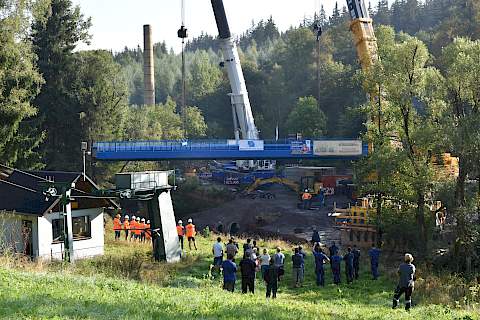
[201, 150]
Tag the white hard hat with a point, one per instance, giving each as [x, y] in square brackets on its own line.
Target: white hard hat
[133, 217]
[180, 221]
[143, 219]
[190, 220]
[127, 217]
[148, 221]
[138, 218]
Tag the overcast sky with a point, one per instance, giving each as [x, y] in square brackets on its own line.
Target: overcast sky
[119, 23]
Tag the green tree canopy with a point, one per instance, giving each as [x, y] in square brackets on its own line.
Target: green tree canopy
[306, 118]
[20, 82]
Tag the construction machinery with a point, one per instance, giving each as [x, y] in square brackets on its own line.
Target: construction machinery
[243, 122]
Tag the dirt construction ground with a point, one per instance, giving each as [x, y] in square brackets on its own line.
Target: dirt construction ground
[278, 217]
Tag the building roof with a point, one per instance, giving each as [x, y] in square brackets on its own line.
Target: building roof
[22, 191]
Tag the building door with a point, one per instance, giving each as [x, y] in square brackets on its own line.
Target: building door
[27, 238]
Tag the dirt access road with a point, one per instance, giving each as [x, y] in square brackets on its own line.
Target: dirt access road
[277, 217]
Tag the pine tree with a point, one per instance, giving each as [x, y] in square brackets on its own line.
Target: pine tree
[20, 82]
[55, 34]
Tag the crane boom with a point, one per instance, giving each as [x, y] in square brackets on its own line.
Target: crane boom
[244, 123]
[363, 33]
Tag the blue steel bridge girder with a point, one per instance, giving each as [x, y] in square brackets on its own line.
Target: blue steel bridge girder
[208, 150]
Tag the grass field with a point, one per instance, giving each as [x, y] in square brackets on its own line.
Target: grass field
[107, 288]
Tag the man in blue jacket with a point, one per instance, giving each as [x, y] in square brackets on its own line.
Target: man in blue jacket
[320, 259]
[374, 254]
[229, 274]
[335, 262]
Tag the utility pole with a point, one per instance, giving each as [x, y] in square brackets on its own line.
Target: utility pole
[69, 231]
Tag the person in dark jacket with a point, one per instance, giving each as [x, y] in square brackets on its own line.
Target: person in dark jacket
[335, 262]
[247, 247]
[247, 268]
[297, 268]
[271, 278]
[315, 237]
[348, 258]
[406, 284]
[229, 274]
[333, 250]
[356, 262]
[374, 254]
[320, 260]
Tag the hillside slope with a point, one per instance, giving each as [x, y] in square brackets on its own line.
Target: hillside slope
[101, 289]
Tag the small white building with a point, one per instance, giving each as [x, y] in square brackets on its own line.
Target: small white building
[34, 226]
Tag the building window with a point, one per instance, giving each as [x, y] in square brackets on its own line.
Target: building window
[81, 229]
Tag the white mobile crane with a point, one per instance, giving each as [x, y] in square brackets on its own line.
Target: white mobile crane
[243, 122]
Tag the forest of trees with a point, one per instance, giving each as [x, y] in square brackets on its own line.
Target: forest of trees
[53, 96]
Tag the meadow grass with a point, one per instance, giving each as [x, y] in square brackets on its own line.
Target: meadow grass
[107, 288]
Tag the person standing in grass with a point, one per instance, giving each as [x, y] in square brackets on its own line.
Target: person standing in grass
[191, 233]
[333, 250]
[117, 226]
[335, 262]
[356, 262]
[180, 232]
[264, 262]
[254, 246]
[231, 248]
[320, 259]
[143, 226]
[374, 254]
[297, 267]
[406, 284]
[247, 268]
[271, 278]
[348, 258]
[148, 231]
[247, 247]
[217, 251]
[133, 226]
[229, 274]
[279, 260]
[138, 229]
[126, 226]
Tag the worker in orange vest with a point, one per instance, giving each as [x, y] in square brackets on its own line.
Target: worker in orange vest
[117, 226]
[143, 226]
[138, 229]
[126, 226]
[306, 199]
[191, 234]
[148, 234]
[180, 232]
[133, 226]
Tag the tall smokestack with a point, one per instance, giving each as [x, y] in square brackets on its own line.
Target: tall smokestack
[148, 70]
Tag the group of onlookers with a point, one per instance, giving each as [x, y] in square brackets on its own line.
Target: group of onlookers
[272, 268]
[253, 261]
[134, 228]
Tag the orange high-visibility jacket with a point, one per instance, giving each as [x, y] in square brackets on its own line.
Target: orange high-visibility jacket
[143, 226]
[306, 196]
[133, 226]
[126, 225]
[180, 230]
[138, 226]
[147, 231]
[190, 230]
[117, 225]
